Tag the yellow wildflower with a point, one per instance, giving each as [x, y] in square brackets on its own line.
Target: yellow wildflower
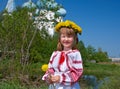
[44, 67]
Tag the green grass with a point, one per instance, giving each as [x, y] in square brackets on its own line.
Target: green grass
[13, 85]
[102, 70]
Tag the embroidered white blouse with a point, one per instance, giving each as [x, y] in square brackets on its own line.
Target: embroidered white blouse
[68, 65]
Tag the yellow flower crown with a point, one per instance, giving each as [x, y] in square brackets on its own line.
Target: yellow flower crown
[68, 24]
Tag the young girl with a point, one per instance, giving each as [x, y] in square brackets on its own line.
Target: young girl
[65, 65]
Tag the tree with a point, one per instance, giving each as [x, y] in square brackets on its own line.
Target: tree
[17, 34]
[83, 50]
[101, 56]
[91, 52]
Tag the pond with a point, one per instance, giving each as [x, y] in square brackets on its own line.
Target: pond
[94, 82]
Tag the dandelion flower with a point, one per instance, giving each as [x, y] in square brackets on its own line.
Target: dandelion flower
[44, 67]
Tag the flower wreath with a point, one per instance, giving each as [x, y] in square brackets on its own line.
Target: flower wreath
[68, 24]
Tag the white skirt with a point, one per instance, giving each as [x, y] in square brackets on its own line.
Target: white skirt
[60, 86]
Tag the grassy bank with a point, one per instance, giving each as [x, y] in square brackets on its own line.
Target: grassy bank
[109, 71]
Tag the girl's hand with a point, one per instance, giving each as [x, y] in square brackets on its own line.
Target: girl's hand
[49, 79]
[55, 79]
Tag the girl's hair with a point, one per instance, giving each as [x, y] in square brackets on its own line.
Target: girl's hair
[68, 31]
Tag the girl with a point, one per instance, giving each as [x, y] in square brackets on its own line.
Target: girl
[65, 65]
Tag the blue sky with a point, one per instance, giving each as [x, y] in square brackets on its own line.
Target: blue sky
[99, 19]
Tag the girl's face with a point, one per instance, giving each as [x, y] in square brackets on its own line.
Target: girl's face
[67, 41]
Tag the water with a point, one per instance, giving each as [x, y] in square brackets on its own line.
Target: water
[92, 81]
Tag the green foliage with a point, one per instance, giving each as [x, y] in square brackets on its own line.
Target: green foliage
[15, 85]
[11, 85]
[83, 50]
[17, 76]
[113, 83]
[101, 57]
[16, 32]
[26, 43]
[42, 47]
[89, 53]
[101, 70]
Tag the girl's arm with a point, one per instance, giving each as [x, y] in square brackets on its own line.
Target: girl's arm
[50, 70]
